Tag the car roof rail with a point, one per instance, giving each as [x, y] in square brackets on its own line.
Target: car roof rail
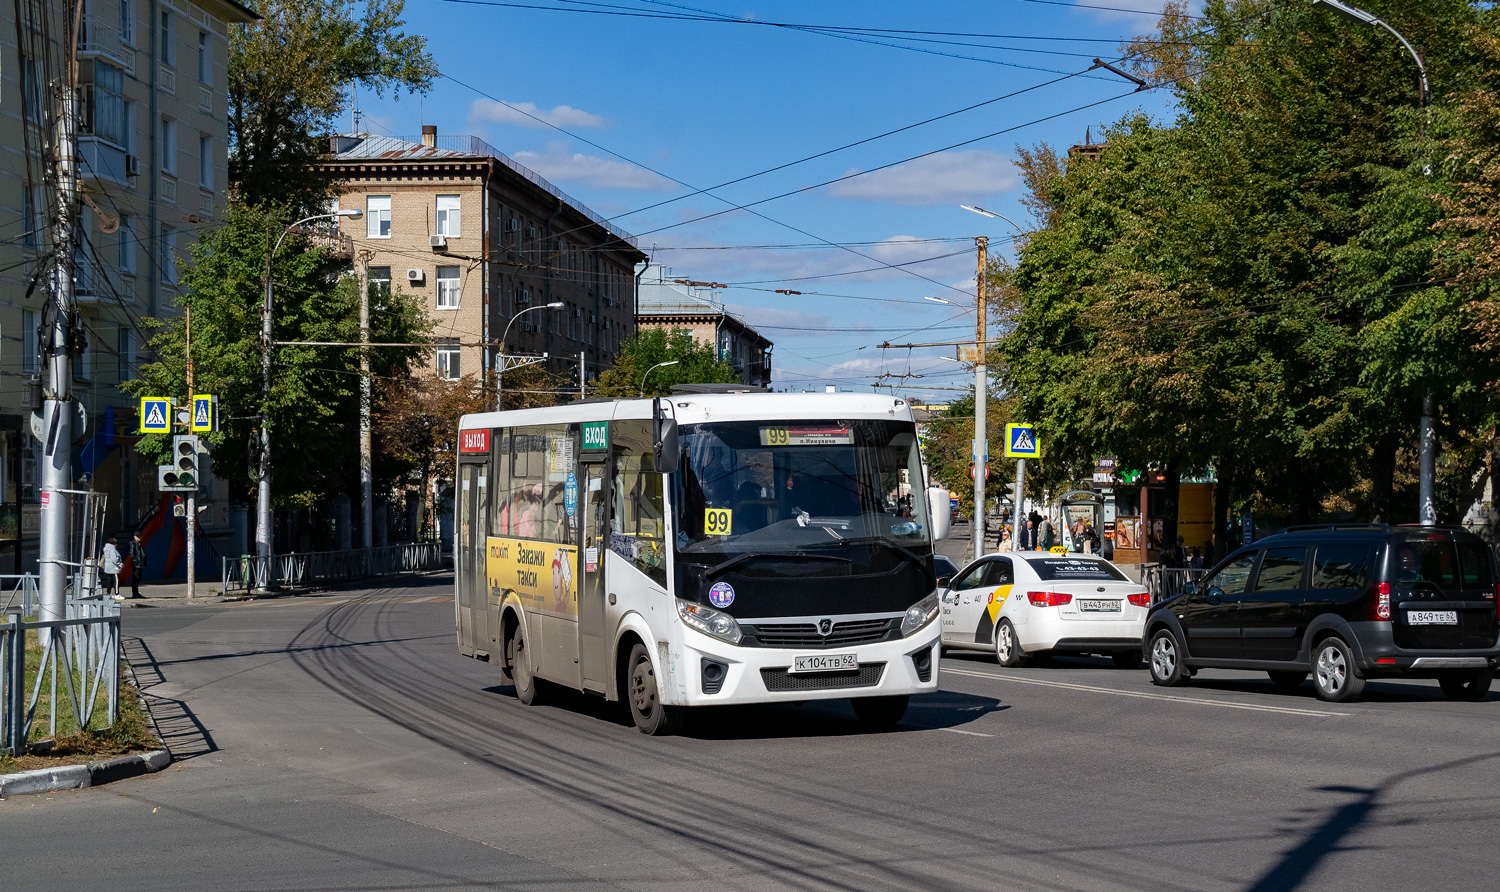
[1434, 526]
[1305, 527]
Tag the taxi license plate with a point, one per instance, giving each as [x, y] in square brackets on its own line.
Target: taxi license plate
[1432, 618]
[825, 663]
[1091, 606]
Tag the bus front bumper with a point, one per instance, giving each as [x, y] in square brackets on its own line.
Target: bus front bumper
[710, 672]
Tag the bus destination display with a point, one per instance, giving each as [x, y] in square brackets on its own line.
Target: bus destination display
[813, 435]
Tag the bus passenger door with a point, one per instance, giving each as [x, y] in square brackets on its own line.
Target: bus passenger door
[464, 558]
[479, 524]
[593, 648]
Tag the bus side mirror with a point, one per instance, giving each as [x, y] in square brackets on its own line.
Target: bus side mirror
[664, 436]
[939, 512]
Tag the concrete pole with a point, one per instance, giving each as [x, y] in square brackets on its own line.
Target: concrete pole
[981, 435]
[366, 474]
[263, 486]
[57, 414]
[1018, 525]
[1427, 464]
[192, 496]
[582, 387]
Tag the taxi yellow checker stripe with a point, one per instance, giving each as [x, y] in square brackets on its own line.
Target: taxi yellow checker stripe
[991, 613]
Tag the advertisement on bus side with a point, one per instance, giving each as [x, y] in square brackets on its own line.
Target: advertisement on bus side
[543, 575]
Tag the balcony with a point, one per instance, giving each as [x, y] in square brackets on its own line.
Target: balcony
[102, 159]
[99, 37]
[328, 238]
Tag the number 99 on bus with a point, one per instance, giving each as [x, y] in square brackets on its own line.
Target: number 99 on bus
[716, 521]
[774, 436]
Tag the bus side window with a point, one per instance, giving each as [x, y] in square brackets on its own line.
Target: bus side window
[636, 523]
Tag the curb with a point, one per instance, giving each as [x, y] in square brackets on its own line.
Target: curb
[92, 774]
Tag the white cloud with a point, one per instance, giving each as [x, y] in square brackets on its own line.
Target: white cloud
[561, 166]
[767, 316]
[944, 178]
[526, 114]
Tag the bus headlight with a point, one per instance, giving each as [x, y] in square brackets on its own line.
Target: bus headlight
[709, 621]
[919, 615]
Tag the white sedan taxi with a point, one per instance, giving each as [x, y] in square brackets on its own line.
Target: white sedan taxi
[1030, 604]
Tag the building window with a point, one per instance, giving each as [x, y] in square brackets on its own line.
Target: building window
[380, 285]
[83, 360]
[126, 346]
[205, 60]
[127, 22]
[31, 90]
[448, 215]
[125, 242]
[447, 288]
[168, 51]
[378, 216]
[447, 362]
[31, 216]
[107, 110]
[206, 162]
[169, 146]
[130, 139]
[29, 339]
[168, 259]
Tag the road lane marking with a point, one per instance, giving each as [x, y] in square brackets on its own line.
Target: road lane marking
[1144, 695]
[961, 731]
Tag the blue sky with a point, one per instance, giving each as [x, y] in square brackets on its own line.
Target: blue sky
[705, 102]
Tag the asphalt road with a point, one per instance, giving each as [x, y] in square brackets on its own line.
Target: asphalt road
[342, 743]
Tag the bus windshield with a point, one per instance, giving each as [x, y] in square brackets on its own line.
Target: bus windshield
[766, 500]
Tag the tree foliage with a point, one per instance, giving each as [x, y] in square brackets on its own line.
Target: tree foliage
[1260, 287]
[313, 405]
[695, 364]
[289, 81]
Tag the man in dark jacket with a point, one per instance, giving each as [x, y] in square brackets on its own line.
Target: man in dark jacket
[137, 565]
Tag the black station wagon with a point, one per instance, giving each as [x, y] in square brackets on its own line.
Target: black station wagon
[1344, 603]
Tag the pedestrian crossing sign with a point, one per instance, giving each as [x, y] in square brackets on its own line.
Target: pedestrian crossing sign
[1021, 442]
[156, 415]
[205, 413]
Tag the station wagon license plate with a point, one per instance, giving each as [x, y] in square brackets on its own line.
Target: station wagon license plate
[825, 663]
[1095, 606]
[1432, 618]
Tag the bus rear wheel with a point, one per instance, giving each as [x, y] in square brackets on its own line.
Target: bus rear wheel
[643, 694]
[529, 688]
[880, 712]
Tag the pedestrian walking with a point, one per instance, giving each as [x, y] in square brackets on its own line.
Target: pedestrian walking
[1005, 541]
[111, 564]
[1045, 537]
[137, 564]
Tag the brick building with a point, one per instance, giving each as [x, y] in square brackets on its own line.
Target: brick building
[667, 302]
[153, 142]
[480, 239]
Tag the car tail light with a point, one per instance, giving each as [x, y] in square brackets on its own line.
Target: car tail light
[1048, 599]
[1380, 603]
[1140, 600]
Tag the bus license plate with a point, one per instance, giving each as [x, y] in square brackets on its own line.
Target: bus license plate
[1091, 606]
[1432, 618]
[825, 663]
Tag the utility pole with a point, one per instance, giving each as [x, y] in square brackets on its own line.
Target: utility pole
[366, 475]
[1018, 523]
[582, 388]
[192, 495]
[263, 484]
[981, 436]
[57, 411]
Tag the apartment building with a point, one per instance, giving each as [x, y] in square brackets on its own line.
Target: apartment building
[673, 302]
[153, 147]
[482, 240]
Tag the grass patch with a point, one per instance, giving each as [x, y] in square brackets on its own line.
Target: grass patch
[131, 733]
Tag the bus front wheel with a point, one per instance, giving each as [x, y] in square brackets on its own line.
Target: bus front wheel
[643, 695]
[881, 712]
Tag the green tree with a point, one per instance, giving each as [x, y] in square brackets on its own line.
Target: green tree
[314, 401]
[695, 364]
[289, 80]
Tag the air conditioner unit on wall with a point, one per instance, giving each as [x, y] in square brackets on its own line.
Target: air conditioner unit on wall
[437, 241]
[132, 166]
[415, 275]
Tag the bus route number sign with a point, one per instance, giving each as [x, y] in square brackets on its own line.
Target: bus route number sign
[716, 521]
[807, 436]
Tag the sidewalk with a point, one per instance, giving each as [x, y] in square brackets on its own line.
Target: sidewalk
[207, 591]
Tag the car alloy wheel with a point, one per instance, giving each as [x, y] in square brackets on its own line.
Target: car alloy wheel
[1333, 672]
[1166, 660]
[1008, 651]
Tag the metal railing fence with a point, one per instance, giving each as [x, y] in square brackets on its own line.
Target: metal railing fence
[85, 658]
[248, 572]
[1167, 582]
[19, 592]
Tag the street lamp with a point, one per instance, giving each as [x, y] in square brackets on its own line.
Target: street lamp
[652, 369]
[263, 488]
[1427, 446]
[992, 215]
[500, 372]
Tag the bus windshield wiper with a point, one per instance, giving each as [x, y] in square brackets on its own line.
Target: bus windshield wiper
[883, 541]
[716, 569]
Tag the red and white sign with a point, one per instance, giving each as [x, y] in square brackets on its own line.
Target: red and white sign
[474, 441]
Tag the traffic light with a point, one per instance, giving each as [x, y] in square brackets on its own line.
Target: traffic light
[181, 475]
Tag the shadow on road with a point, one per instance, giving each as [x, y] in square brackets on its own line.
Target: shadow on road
[183, 734]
